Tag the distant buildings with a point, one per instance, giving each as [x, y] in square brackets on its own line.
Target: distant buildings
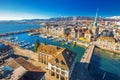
[60, 61]
[108, 42]
[20, 69]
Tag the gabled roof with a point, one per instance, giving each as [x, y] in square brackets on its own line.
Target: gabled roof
[49, 49]
[65, 59]
[88, 32]
[24, 70]
[27, 65]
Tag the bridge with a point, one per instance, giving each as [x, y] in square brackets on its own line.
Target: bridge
[81, 69]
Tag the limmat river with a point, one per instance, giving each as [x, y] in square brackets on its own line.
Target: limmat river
[104, 65]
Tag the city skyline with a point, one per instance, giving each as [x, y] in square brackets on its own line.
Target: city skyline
[44, 9]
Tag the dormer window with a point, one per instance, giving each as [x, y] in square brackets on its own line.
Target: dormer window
[56, 60]
[62, 62]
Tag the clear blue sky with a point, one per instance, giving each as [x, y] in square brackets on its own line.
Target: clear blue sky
[20, 9]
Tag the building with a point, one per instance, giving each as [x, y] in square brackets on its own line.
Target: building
[62, 65]
[5, 52]
[88, 35]
[106, 41]
[20, 69]
[47, 52]
[117, 34]
[60, 61]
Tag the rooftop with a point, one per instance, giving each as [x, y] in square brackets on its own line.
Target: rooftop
[24, 70]
[64, 59]
[49, 49]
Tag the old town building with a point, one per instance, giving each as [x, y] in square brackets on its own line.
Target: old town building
[108, 42]
[60, 61]
[47, 52]
[88, 35]
[20, 69]
[62, 65]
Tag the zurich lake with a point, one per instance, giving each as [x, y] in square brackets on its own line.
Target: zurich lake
[104, 65]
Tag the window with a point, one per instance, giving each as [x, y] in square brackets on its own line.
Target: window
[57, 70]
[62, 62]
[62, 72]
[56, 60]
[53, 68]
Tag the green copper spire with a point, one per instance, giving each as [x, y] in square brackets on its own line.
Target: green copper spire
[96, 18]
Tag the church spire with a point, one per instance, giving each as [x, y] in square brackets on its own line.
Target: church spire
[96, 18]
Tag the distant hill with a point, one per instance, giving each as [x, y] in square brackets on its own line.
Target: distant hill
[31, 21]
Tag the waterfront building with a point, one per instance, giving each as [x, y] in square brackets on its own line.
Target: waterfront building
[20, 69]
[5, 52]
[47, 52]
[62, 65]
[60, 61]
[106, 41]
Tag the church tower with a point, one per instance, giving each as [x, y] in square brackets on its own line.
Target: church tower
[95, 28]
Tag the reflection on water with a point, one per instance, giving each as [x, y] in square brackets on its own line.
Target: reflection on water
[105, 65]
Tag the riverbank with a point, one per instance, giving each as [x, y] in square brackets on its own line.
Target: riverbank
[107, 49]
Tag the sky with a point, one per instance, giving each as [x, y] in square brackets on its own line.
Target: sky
[44, 9]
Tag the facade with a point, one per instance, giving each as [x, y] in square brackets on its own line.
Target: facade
[62, 65]
[117, 34]
[20, 69]
[108, 42]
[88, 35]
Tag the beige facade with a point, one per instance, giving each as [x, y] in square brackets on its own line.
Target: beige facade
[108, 42]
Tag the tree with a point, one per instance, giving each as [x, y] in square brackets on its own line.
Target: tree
[37, 43]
